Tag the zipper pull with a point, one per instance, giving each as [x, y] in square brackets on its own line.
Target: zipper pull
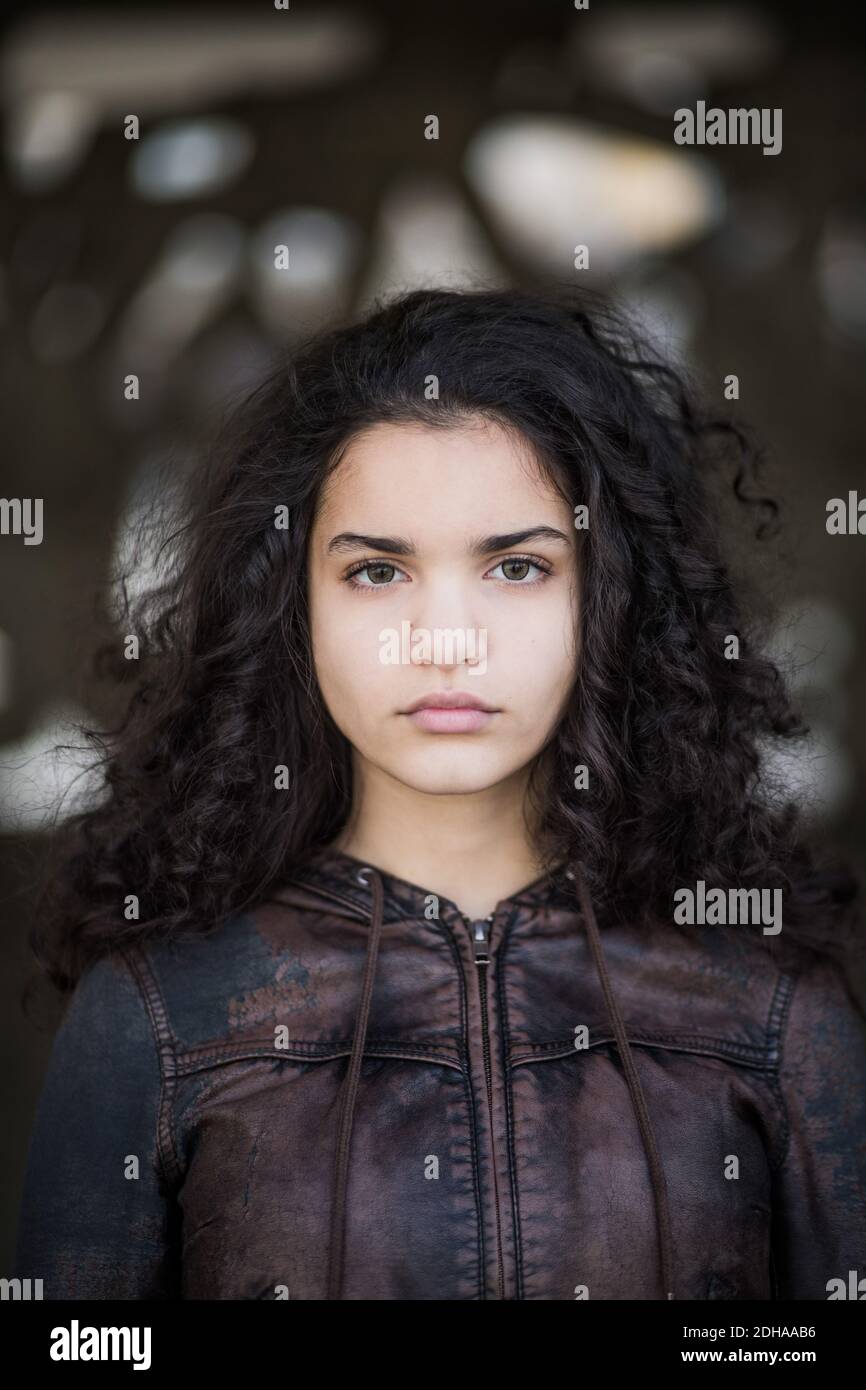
[480, 940]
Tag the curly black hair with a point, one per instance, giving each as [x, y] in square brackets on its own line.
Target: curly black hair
[674, 733]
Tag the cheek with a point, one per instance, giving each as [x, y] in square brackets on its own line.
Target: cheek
[346, 650]
[540, 653]
[542, 684]
[543, 687]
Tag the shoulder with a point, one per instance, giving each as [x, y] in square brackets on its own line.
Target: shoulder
[105, 1003]
[760, 999]
[203, 987]
[825, 1024]
[104, 1052]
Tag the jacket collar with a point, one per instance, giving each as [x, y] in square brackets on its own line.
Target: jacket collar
[332, 874]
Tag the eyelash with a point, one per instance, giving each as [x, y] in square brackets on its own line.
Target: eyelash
[361, 565]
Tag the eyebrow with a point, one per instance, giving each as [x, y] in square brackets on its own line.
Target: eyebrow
[482, 545]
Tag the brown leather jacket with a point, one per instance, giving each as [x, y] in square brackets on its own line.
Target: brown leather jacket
[353, 1092]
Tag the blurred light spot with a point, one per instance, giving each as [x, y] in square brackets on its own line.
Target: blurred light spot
[67, 320]
[42, 785]
[660, 81]
[426, 236]
[148, 61]
[812, 643]
[841, 275]
[198, 270]
[185, 159]
[151, 512]
[324, 249]
[46, 136]
[815, 771]
[662, 56]
[551, 183]
[758, 231]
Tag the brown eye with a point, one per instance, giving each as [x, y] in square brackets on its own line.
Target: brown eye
[375, 574]
[521, 565]
[374, 570]
[515, 570]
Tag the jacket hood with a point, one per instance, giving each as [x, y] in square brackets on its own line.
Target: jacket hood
[361, 891]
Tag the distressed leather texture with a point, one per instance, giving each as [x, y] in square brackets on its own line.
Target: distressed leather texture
[187, 1134]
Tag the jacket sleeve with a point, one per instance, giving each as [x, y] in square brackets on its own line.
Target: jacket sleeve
[97, 1220]
[820, 1197]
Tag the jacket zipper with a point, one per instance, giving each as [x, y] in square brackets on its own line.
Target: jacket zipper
[480, 935]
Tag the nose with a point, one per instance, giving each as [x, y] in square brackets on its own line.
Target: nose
[444, 629]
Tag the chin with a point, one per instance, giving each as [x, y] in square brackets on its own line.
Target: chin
[456, 771]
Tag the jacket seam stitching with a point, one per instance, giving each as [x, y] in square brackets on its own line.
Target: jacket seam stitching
[509, 1100]
[166, 1141]
[189, 1066]
[746, 1051]
[780, 1011]
[313, 1049]
[479, 1223]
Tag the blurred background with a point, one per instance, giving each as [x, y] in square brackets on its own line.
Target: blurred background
[155, 157]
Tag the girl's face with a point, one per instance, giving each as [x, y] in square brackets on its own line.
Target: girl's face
[456, 533]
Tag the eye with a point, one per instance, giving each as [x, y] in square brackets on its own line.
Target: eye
[523, 564]
[376, 568]
[381, 574]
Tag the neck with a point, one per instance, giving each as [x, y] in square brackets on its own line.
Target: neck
[474, 848]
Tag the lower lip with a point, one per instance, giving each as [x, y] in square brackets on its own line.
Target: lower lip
[436, 720]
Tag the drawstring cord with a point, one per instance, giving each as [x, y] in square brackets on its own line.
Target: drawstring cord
[349, 1093]
[660, 1191]
[349, 1090]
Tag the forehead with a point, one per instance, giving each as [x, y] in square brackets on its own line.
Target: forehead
[422, 477]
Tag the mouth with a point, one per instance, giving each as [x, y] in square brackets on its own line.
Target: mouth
[451, 712]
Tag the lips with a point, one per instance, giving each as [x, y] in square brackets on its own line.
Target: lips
[450, 699]
[451, 712]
